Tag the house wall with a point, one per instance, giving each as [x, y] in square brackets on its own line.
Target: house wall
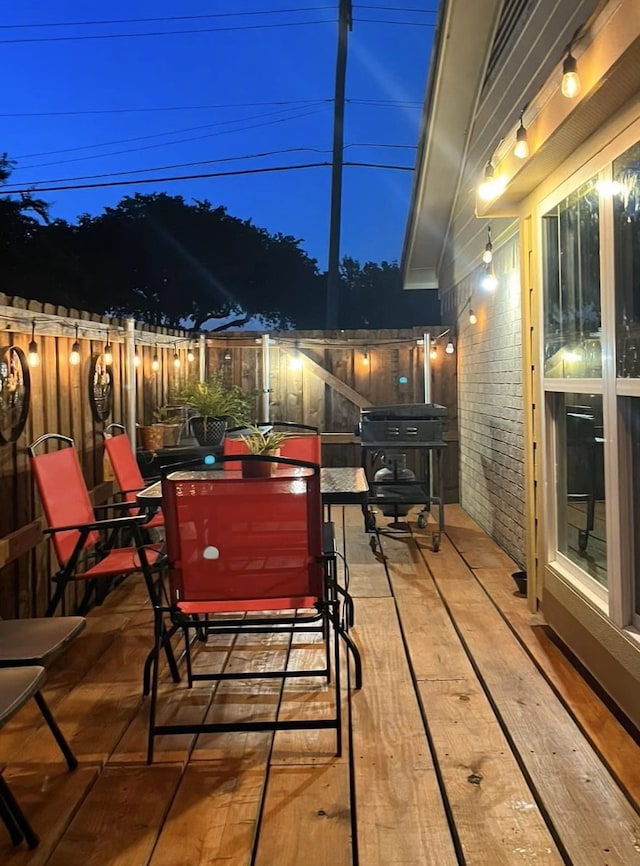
[490, 404]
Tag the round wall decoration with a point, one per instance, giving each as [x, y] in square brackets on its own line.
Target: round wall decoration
[100, 388]
[15, 393]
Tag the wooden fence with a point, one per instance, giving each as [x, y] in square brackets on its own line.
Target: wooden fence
[334, 382]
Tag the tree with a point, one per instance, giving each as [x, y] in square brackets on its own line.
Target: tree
[372, 296]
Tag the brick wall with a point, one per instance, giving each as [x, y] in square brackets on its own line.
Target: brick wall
[490, 403]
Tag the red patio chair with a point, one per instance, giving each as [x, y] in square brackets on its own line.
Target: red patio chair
[253, 548]
[127, 472]
[307, 446]
[84, 551]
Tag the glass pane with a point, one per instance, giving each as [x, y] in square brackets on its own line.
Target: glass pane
[571, 275]
[630, 418]
[626, 211]
[580, 482]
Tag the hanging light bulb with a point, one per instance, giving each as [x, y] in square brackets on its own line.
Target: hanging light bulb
[34, 357]
[365, 357]
[450, 348]
[176, 358]
[190, 355]
[137, 360]
[108, 352]
[473, 319]
[295, 362]
[490, 281]
[521, 150]
[74, 357]
[433, 351]
[570, 78]
[487, 255]
[227, 355]
[155, 362]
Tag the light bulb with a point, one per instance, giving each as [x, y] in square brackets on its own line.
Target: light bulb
[155, 363]
[190, 356]
[34, 357]
[487, 255]
[521, 150]
[108, 354]
[570, 77]
[472, 318]
[433, 352]
[295, 362]
[227, 355]
[74, 357]
[449, 348]
[136, 359]
[490, 282]
[365, 357]
[176, 361]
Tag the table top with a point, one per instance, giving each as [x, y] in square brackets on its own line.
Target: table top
[339, 485]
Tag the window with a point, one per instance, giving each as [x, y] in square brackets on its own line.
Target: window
[626, 223]
[571, 279]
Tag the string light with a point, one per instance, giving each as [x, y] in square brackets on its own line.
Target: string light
[521, 150]
[108, 352]
[433, 351]
[34, 357]
[190, 355]
[137, 360]
[490, 281]
[74, 357]
[473, 319]
[295, 363]
[570, 78]
[365, 357]
[487, 255]
[176, 358]
[450, 348]
[155, 362]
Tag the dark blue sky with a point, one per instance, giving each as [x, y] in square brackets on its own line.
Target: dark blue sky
[211, 101]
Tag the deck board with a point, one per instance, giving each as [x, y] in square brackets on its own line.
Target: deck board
[475, 740]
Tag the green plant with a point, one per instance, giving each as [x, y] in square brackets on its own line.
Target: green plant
[215, 399]
[168, 415]
[259, 441]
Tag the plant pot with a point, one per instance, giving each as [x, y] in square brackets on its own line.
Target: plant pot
[520, 578]
[171, 434]
[208, 430]
[258, 468]
[152, 437]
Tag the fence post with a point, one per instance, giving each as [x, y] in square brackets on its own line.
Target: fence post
[264, 397]
[130, 378]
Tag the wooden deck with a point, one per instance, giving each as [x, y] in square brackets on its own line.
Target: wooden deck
[473, 740]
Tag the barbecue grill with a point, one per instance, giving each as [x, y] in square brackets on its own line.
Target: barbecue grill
[387, 434]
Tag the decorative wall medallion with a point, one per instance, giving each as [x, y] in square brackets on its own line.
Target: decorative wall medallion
[15, 393]
[100, 388]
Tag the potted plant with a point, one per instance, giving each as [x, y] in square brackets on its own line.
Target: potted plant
[214, 405]
[171, 419]
[265, 442]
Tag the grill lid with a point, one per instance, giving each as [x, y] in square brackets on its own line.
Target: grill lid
[406, 411]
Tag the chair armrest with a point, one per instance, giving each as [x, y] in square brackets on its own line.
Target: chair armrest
[114, 523]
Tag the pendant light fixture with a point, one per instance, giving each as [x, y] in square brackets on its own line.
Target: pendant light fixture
[108, 352]
[487, 255]
[190, 355]
[34, 357]
[176, 357]
[490, 281]
[450, 348]
[155, 363]
[473, 319]
[570, 79]
[521, 150]
[433, 351]
[74, 357]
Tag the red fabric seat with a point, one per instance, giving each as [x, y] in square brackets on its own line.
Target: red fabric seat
[127, 472]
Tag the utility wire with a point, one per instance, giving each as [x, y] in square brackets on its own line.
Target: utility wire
[147, 137]
[170, 143]
[166, 18]
[203, 176]
[302, 148]
[86, 37]
[381, 103]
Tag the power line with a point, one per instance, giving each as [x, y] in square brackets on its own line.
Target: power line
[381, 103]
[169, 179]
[387, 21]
[203, 176]
[177, 141]
[164, 18]
[94, 36]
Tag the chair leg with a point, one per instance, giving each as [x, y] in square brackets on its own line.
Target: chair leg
[57, 597]
[70, 758]
[334, 615]
[89, 589]
[159, 632]
[14, 818]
